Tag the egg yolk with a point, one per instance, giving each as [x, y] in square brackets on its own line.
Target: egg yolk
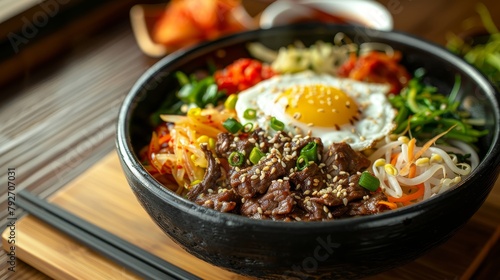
[320, 105]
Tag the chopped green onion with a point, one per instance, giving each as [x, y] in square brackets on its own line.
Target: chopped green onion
[232, 125]
[248, 127]
[250, 114]
[230, 102]
[255, 155]
[302, 162]
[368, 181]
[236, 159]
[277, 124]
[310, 151]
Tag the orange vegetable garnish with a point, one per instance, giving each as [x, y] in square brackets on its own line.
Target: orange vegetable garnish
[377, 67]
[408, 198]
[391, 205]
[186, 22]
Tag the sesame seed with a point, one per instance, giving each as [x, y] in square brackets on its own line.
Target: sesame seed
[254, 177]
[321, 110]
[259, 210]
[326, 209]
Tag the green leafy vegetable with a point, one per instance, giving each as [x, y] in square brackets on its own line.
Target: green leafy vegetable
[198, 92]
[427, 112]
[484, 55]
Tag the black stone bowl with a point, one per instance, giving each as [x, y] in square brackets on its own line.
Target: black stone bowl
[349, 248]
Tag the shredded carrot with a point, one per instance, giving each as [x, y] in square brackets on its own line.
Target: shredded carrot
[165, 138]
[413, 171]
[406, 169]
[391, 205]
[411, 148]
[407, 198]
[394, 158]
[154, 147]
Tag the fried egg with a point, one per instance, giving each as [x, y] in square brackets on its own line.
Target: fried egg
[334, 109]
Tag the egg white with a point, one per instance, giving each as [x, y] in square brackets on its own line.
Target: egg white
[375, 119]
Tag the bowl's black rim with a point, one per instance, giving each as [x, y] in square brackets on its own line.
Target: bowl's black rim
[131, 162]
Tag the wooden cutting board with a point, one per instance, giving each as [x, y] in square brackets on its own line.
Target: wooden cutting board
[102, 196]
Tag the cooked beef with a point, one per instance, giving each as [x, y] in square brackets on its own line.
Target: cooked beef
[341, 157]
[224, 200]
[310, 178]
[257, 178]
[223, 145]
[243, 143]
[212, 174]
[367, 206]
[274, 188]
[277, 202]
[311, 211]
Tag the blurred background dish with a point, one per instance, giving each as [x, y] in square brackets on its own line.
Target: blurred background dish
[366, 13]
[160, 29]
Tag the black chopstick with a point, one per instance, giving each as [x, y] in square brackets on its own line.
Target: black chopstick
[122, 252]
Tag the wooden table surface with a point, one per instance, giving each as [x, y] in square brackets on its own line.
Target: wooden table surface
[57, 119]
